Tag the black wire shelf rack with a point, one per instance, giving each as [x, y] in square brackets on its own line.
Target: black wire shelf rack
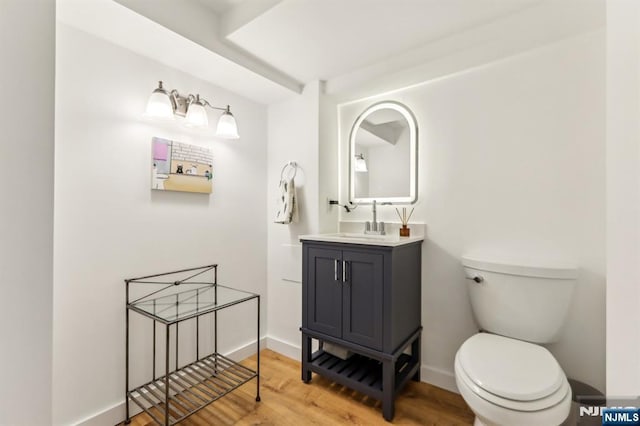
[172, 298]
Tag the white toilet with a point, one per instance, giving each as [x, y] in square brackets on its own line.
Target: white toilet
[502, 373]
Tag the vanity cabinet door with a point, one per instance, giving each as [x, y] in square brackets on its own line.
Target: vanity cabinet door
[324, 291]
[362, 298]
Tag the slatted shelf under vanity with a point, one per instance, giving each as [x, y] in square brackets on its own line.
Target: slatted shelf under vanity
[362, 373]
[191, 388]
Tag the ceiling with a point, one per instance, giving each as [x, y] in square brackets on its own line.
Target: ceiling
[267, 50]
[220, 6]
[322, 39]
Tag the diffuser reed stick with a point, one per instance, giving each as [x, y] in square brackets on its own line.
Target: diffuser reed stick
[404, 218]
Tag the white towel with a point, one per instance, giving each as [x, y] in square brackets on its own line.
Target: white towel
[287, 203]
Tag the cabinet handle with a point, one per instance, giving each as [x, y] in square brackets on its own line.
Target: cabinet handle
[345, 275]
[335, 270]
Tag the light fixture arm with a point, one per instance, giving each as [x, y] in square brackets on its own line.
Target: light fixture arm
[206, 103]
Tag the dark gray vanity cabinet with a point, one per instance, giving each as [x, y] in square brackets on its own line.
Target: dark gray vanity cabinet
[366, 298]
[345, 295]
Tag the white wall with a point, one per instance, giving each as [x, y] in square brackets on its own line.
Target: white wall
[623, 198]
[27, 44]
[304, 130]
[328, 161]
[293, 136]
[511, 160]
[109, 225]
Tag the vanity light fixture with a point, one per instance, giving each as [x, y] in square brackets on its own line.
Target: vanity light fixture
[165, 105]
[361, 165]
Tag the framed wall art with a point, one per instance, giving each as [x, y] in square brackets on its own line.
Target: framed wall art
[178, 166]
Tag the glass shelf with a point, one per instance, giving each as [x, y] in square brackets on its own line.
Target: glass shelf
[190, 303]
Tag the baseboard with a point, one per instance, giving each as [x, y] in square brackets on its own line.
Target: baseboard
[438, 377]
[285, 348]
[109, 416]
[245, 351]
[116, 413]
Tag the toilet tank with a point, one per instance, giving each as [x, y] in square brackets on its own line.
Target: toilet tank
[517, 300]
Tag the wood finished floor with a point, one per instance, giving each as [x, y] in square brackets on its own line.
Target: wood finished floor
[286, 400]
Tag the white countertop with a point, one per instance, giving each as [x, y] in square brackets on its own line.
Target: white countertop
[366, 239]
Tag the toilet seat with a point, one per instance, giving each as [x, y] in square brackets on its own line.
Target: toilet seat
[535, 405]
[512, 374]
[490, 414]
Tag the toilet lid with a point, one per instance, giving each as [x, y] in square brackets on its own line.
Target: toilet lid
[510, 368]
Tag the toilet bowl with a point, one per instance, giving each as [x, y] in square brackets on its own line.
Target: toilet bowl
[509, 382]
[503, 373]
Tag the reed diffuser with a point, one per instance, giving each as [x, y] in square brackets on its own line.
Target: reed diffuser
[405, 231]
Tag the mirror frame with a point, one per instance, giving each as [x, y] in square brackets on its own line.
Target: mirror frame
[413, 150]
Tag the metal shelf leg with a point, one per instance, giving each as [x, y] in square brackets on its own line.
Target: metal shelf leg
[166, 379]
[258, 355]
[127, 419]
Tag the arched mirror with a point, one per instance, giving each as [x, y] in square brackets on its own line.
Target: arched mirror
[383, 155]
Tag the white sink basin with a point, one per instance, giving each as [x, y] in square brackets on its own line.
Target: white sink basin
[367, 237]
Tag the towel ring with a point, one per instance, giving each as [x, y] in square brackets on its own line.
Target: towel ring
[293, 165]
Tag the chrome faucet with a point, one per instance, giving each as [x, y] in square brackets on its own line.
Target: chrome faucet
[374, 227]
[374, 214]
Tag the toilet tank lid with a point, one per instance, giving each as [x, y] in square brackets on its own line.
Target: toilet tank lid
[520, 267]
